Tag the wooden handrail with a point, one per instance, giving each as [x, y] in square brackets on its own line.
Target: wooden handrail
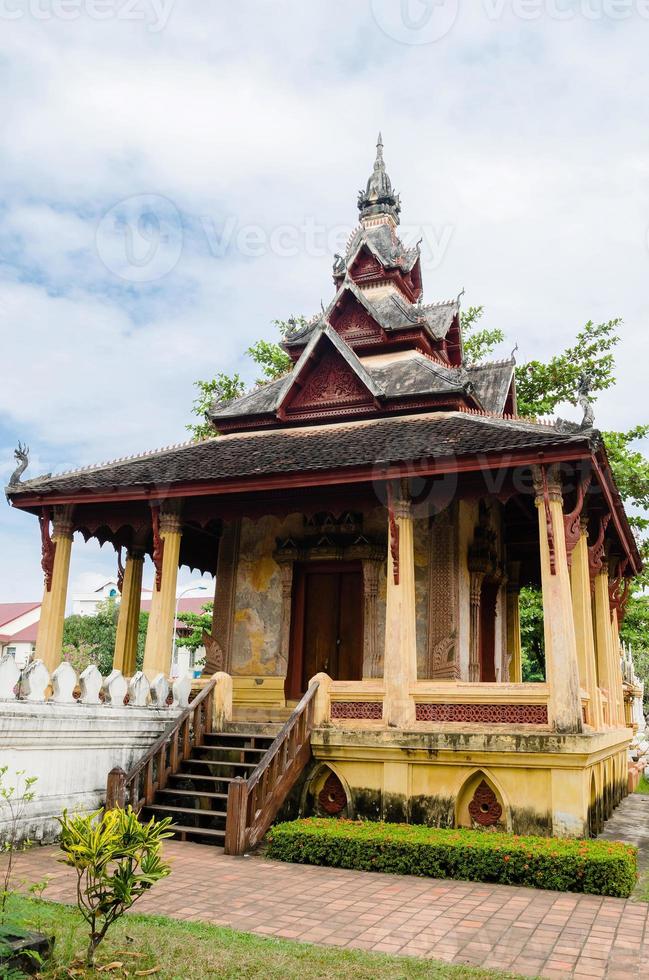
[151, 773]
[254, 803]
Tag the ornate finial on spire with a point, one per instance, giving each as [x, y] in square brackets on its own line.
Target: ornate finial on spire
[378, 198]
[378, 163]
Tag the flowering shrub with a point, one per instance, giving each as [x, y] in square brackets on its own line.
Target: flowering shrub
[597, 867]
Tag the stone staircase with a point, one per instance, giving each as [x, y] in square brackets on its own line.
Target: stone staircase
[221, 781]
[196, 796]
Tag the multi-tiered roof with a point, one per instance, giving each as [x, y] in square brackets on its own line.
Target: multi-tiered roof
[377, 349]
[379, 387]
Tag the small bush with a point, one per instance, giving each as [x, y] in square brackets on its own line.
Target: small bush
[117, 860]
[596, 867]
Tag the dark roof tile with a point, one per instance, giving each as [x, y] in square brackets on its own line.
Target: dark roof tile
[309, 449]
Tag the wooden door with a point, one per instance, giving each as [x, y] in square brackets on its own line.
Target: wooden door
[488, 598]
[321, 603]
[327, 624]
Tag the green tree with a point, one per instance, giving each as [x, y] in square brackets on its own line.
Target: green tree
[542, 385]
[478, 344]
[224, 388]
[198, 623]
[91, 639]
[532, 640]
[635, 632]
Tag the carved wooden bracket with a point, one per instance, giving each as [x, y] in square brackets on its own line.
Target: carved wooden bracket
[619, 590]
[572, 521]
[48, 547]
[120, 571]
[394, 535]
[214, 656]
[596, 551]
[158, 545]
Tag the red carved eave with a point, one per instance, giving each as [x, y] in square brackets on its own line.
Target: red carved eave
[353, 323]
[416, 338]
[453, 343]
[326, 386]
[366, 269]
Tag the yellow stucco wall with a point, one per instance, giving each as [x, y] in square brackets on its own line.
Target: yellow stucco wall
[565, 791]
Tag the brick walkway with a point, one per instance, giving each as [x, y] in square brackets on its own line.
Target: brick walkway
[533, 933]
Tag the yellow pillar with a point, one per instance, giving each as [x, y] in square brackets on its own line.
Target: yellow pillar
[583, 617]
[400, 663]
[514, 649]
[49, 642]
[617, 669]
[162, 618]
[129, 615]
[562, 672]
[604, 642]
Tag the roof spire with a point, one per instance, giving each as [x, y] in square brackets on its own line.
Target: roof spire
[378, 198]
[378, 163]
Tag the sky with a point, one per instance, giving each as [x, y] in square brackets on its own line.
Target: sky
[176, 174]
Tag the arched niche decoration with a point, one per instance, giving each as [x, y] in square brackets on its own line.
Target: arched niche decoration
[327, 793]
[481, 804]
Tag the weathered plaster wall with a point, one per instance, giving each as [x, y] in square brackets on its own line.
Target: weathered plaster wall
[258, 597]
[258, 592]
[70, 749]
[546, 784]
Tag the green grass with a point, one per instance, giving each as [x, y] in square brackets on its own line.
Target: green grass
[641, 894]
[643, 786]
[189, 951]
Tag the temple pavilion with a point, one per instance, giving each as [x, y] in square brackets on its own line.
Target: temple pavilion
[370, 519]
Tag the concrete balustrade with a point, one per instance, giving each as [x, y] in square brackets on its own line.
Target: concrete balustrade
[69, 731]
[64, 687]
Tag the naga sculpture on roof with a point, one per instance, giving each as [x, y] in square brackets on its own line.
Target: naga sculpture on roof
[584, 386]
[21, 455]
